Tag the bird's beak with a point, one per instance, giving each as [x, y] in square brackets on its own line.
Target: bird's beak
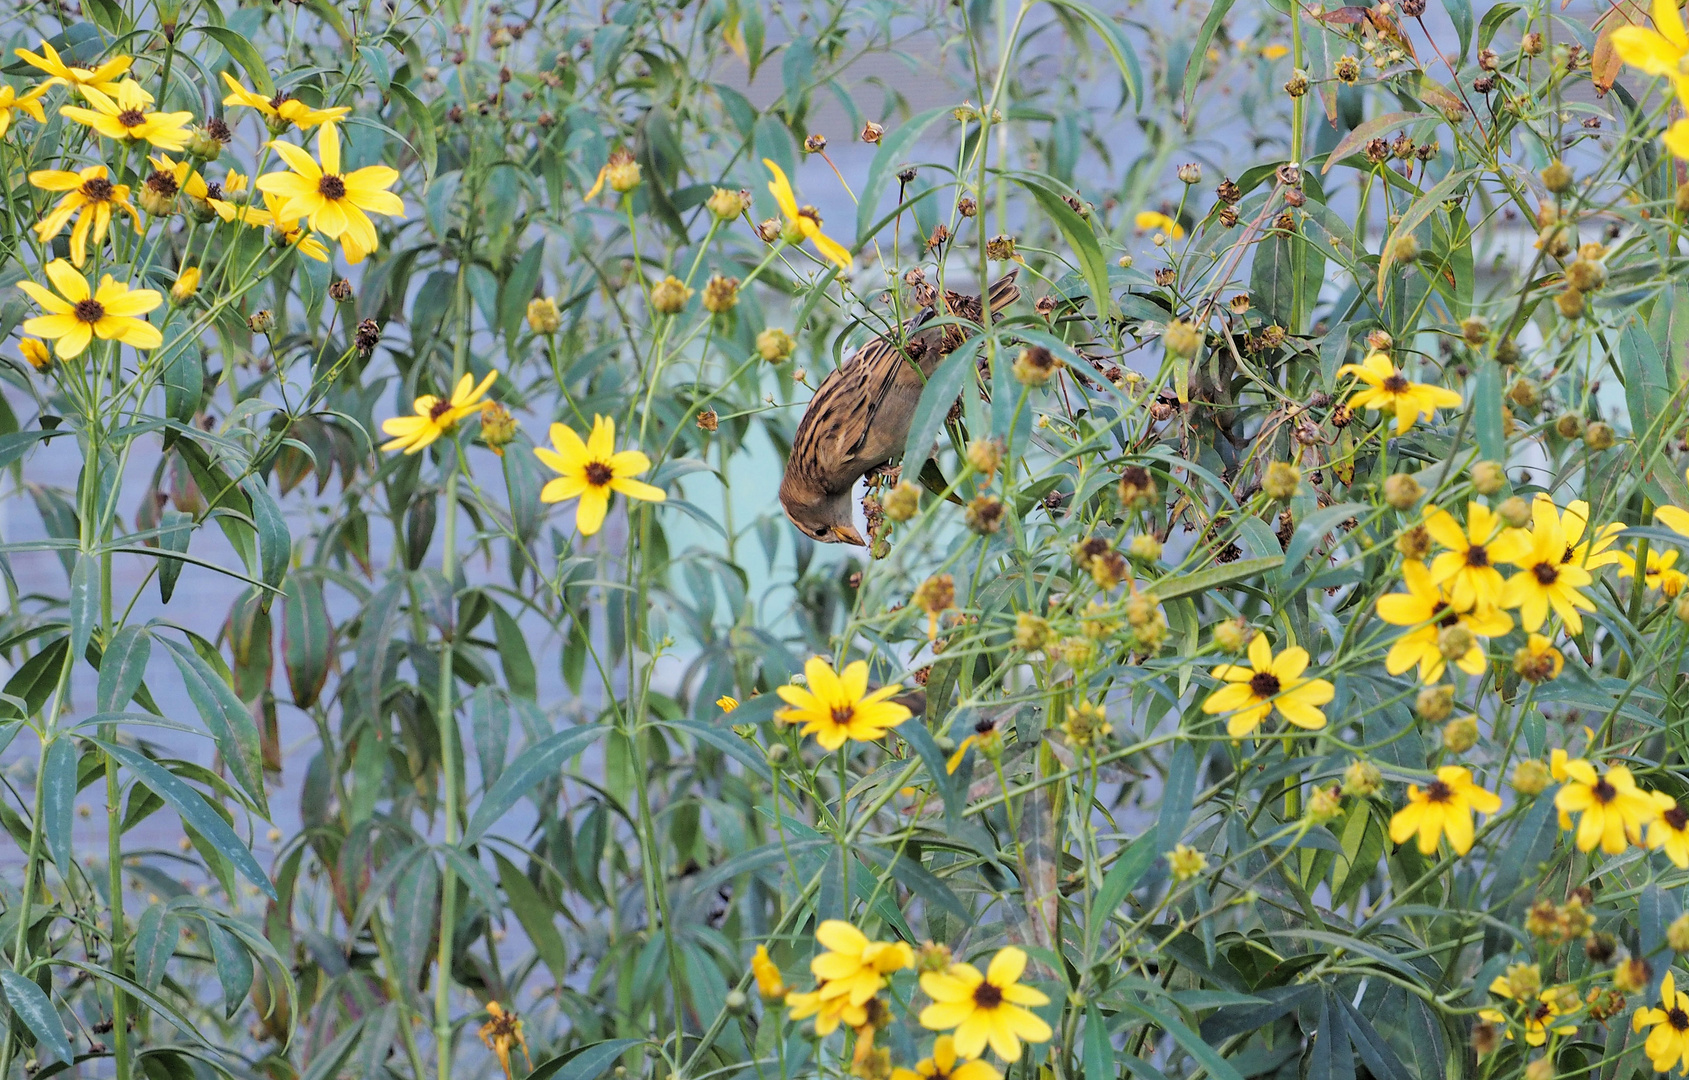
[847, 534]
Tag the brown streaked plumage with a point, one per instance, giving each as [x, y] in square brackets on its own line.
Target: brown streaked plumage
[859, 418]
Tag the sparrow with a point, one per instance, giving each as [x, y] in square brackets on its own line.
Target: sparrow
[859, 418]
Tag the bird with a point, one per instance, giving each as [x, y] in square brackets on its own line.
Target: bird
[859, 418]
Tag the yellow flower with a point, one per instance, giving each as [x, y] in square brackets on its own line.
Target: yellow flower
[1443, 806]
[78, 313]
[769, 983]
[187, 283]
[1664, 50]
[804, 223]
[1670, 831]
[102, 79]
[591, 470]
[282, 109]
[1150, 219]
[1538, 660]
[123, 115]
[1548, 580]
[501, 1032]
[1252, 693]
[836, 706]
[829, 1013]
[335, 204]
[1552, 1003]
[35, 351]
[1659, 574]
[1387, 389]
[1274, 51]
[1612, 809]
[1426, 607]
[90, 198]
[988, 1008]
[435, 416]
[853, 966]
[944, 1065]
[726, 703]
[1674, 518]
[1186, 862]
[28, 102]
[1668, 1043]
[1468, 569]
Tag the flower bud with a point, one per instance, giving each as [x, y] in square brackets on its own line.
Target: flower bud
[35, 351]
[1460, 735]
[1485, 1039]
[726, 204]
[1281, 481]
[498, 427]
[1507, 352]
[1570, 303]
[1541, 1068]
[669, 296]
[1347, 70]
[1514, 511]
[543, 316]
[1035, 366]
[1405, 249]
[1137, 488]
[340, 291]
[1598, 436]
[1530, 777]
[984, 514]
[902, 502]
[621, 172]
[261, 321]
[1233, 635]
[1186, 862]
[1297, 84]
[1362, 779]
[721, 294]
[1402, 491]
[1434, 703]
[985, 455]
[1525, 981]
[775, 345]
[1680, 199]
[1454, 642]
[1475, 330]
[158, 194]
[1632, 976]
[1568, 425]
[779, 754]
[1379, 340]
[1586, 275]
[1414, 543]
[1531, 44]
[1488, 477]
[1190, 173]
[1324, 804]
[1677, 934]
[187, 284]
[1181, 339]
[1680, 610]
[1144, 548]
[1032, 632]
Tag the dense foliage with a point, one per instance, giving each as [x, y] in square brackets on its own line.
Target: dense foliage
[1264, 657]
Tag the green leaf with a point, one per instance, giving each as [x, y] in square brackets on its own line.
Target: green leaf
[194, 810]
[307, 637]
[227, 718]
[327, 1063]
[1125, 57]
[58, 799]
[892, 155]
[536, 916]
[1080, 237]
[536, 763]
[513, 654]
[427, 142]
[1646, 383]
[275, 542]
[175, 529]
[584, 1062]
[243, 53]
[1199, 51]
[1177, 800]
[1460, 13]
[940, 392]
[156, 936]
[416, 901]
[1214, 577]
[84, 602]
[122, 667]
[1489, 423]
[234, 967]
[1414, 217]
[1099, 1051]
[1205, 1055]
[35, 1009]
[518, 289]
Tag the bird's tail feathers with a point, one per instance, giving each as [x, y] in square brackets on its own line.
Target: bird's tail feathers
[1004, 291]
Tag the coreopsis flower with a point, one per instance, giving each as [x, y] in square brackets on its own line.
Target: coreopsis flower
[854, 966]
[769, 982]
[836, 706]
[90, 197]
[1270, 682]
[1670, 831]
[1186, 862]
[1668, 1044]
[1540, 1015]
[590, 470]
[1594, 552]
[1426, 607]
[946, 1065]
[621, 171]
[1443, 807]
[1547, 580]
[829, 1013]
[186, 285]
[1148, 220]
[1467, 570]
[28, 103]
[125, 114]
[337, 205]
[281, 110]
[78, 313]
[1659, 51]
[435, 416]
[1660, 574]
[1085, 726]
[502, 1031]
[803, 222]
[988, 1008]
[1388, 390]
[102, 79]
[1612, 809]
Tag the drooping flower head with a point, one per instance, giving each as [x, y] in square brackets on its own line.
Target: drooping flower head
[803, 222]
[769, 983]
[1443, 807]
[102, 79]
[281, 110]
[90, 197]
[28, 103]
[435, 416]
[336, 204]
[1388, 390]
[590, 469]
[836, 706]
[78, 313]
[126, 115]
[501, 1032]
[1541, 1011]
[1267, 684]
[985, 1008]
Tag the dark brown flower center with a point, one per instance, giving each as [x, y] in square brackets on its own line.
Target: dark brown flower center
[440, 408]
[1477, 556]
[1397, 383]
[1676, 818]
[1439, 792]
[1678, 1019]
[1445, 615]
[331, 187]
[811, 213]
[1541, 1012]
[163, 183]
[280, 99]
[1603, 791]
[1545, 573]
[987, 996]
[213, 190]
[1264, 684]
[96, 189]
[841, 714]
[131, 118]
[598, 473]
[90, 310]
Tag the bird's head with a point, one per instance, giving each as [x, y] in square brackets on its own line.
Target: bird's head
[823, 518]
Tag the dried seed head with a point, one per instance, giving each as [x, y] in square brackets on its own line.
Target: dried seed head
[775, 345]
[1035, 366]
[669, 296]
[721, 294]
[1434, 703]
[872, 132]
[1402, 491]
